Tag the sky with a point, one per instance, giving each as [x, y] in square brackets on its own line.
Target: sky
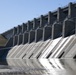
[16, 12]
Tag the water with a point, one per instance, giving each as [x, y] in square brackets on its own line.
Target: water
[38, 67]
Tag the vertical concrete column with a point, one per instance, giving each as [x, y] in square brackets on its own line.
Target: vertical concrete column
[71, 10]
[24, 27]
[51, 18]
[56, 30]
[60, 15]
[57, 26]
[25, 37]
[29, 26]
[31, 36]
[14, 31]
[15, 40]
[20, 39]
[35, 24]
[68, 27]
[38, 34]
[19, 29]
[42, 21]
[47, 32]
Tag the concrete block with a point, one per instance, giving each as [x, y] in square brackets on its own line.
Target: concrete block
[68, 27]
[15, 40]
[29, 26]
[24, 27]
[56, 30]
[38, 34]
[31, 36]
[47, 32]
[14, 31]
[20, 39]
[25, 37]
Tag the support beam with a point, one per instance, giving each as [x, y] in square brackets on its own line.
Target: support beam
[19, 29]
[38, 34]
[46, 32]
[71, 10]
[51, 18]
[20, 39]
[60, 15]
[24, 27]
[14, 31]
[25, 37]
[56, 30]
[68, 27]
[35, 23]
[29, 26]
[42, 21]
[15, 40]
[31, 36]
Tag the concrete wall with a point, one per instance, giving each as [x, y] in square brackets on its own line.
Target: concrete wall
[46, 36]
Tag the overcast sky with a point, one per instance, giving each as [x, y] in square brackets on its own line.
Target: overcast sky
[15, 12]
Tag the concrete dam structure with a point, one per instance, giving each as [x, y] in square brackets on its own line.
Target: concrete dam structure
[50, 36]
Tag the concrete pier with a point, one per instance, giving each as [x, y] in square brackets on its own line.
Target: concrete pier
[60, 15]
[29, 26]
[38, 34]
[25, 37]
[47, 32]
[42, 21]
[71, 10]
[35, 23]
[19, 29]
[31, 37]
[56, 30]
[14, 31]
[20, 39]
[51, 18]
[58, 25]
[15, 40]
[24, 27]
[68, 27]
